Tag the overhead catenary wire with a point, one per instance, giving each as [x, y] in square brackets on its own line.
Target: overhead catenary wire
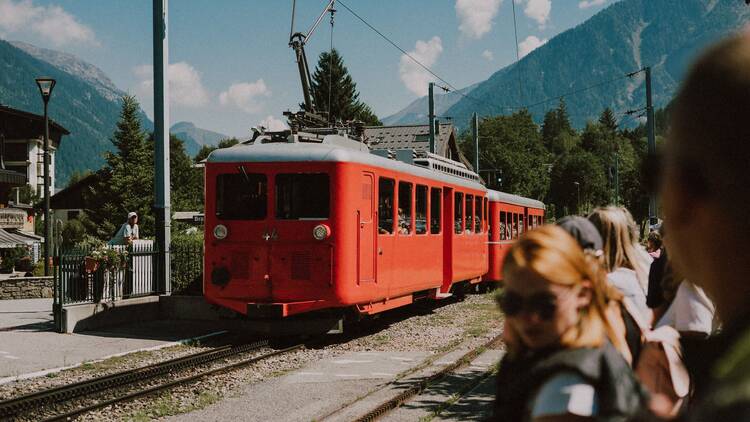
[518, 55]
[451, 88]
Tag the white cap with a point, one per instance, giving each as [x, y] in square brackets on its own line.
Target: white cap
[132, 214]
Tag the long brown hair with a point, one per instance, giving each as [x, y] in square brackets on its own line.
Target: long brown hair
[551, 253]
[619, 246]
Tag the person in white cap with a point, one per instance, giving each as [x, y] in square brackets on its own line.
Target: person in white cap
[128, 231]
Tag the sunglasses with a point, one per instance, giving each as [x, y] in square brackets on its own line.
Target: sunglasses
[542, 304]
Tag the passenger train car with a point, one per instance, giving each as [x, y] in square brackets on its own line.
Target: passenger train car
[311, 222]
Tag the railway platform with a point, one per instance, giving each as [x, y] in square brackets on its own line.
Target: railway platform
[29, 347]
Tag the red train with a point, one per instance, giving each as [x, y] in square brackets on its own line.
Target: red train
[314, 222]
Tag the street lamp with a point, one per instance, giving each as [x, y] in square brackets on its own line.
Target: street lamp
[45, 88]
[578, 196]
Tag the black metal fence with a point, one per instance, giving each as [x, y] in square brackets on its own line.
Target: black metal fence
[78, 278]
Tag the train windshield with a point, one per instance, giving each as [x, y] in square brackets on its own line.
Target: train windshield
[241, 196]
[302, 196]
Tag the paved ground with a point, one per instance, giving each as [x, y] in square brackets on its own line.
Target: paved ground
[28, 346]
[320, 390]
[31, 314]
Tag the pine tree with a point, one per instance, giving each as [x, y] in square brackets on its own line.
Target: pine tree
[334, 91]
[608, 120]
[558, 135]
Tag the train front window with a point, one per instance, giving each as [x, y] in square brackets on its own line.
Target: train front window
[302, 196]
[242, 196]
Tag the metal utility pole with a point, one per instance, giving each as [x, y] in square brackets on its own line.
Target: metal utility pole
[650, 124]
[475, 135]
[431, 105]
[161, 145]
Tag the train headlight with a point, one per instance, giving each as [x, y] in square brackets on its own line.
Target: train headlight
[220, 231]
[321, 232]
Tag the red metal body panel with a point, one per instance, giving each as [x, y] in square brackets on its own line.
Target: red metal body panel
[499, 243]
[278, 262]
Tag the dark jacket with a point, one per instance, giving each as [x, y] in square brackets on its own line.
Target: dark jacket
[621, 398]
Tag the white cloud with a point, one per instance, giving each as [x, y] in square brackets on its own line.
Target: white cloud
[414, 77]
[185, 86]
[530, 44]
[245, 96]
[538, 10]
[51, 23]
[585, 4]
[487, 54]
[476, 16]
[273, 124]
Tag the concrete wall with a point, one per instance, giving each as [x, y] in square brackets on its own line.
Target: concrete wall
[26, 288]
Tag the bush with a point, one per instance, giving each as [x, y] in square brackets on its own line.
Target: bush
[186, 251]
[73, 232]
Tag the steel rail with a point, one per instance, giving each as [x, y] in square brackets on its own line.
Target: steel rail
[420, 386]
[64, 393]
[166, 386]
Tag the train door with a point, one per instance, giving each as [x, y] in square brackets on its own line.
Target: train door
[448, 233]
[366, 235]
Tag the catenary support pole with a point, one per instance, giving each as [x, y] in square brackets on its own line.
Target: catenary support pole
[652, 209]
[431, 105]
[161, 145]
[47, 221]
[475, 135]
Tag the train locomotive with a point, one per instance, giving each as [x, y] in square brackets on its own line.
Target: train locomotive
[310, 222]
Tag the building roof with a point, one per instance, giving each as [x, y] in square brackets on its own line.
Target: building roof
[417, 137]
[410, 137]
[12, 238]
[19, 124]
[72, 197]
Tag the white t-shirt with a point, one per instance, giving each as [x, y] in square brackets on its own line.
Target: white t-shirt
[691, 310]
[626, 281]
[565, 393]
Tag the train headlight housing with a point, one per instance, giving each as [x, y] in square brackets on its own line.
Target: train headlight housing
[220, 231]
[321, 232]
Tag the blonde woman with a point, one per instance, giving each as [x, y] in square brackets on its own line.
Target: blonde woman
[626, 269]
[564, 359]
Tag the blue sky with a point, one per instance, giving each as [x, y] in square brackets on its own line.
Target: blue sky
[231, 66]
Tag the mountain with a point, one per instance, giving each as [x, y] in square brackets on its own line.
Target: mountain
[194, 137]
[84, 101]
[593, 58]
[416, 112]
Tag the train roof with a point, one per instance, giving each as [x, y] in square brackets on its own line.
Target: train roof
[326, 152]
[508, 198]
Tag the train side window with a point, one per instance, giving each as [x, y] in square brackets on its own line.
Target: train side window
[486, 215]
[478, 215]
[469, 213]
[302, 196]
[515, 226]
[420, 223]
[241, 196]
[404, 207]
[501, 226]
[521, 222]
[436, 197]
[385, 206]
[458, 215]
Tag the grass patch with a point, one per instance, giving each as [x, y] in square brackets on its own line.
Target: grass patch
[166, 405]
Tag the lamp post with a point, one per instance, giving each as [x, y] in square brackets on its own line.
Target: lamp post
[578, 197]
[45, 88]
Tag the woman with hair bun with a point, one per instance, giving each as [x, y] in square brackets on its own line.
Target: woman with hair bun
[565, 358]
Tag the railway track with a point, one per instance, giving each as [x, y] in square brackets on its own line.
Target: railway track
[419, 386]
[125, 384]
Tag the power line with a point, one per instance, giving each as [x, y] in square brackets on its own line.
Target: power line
[518, 55]
[452, 88]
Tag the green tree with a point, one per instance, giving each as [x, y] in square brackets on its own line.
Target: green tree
[126, 182]
[558, 135]
[512, 145]
[186, 180]
[334, 91]
[578, 183]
